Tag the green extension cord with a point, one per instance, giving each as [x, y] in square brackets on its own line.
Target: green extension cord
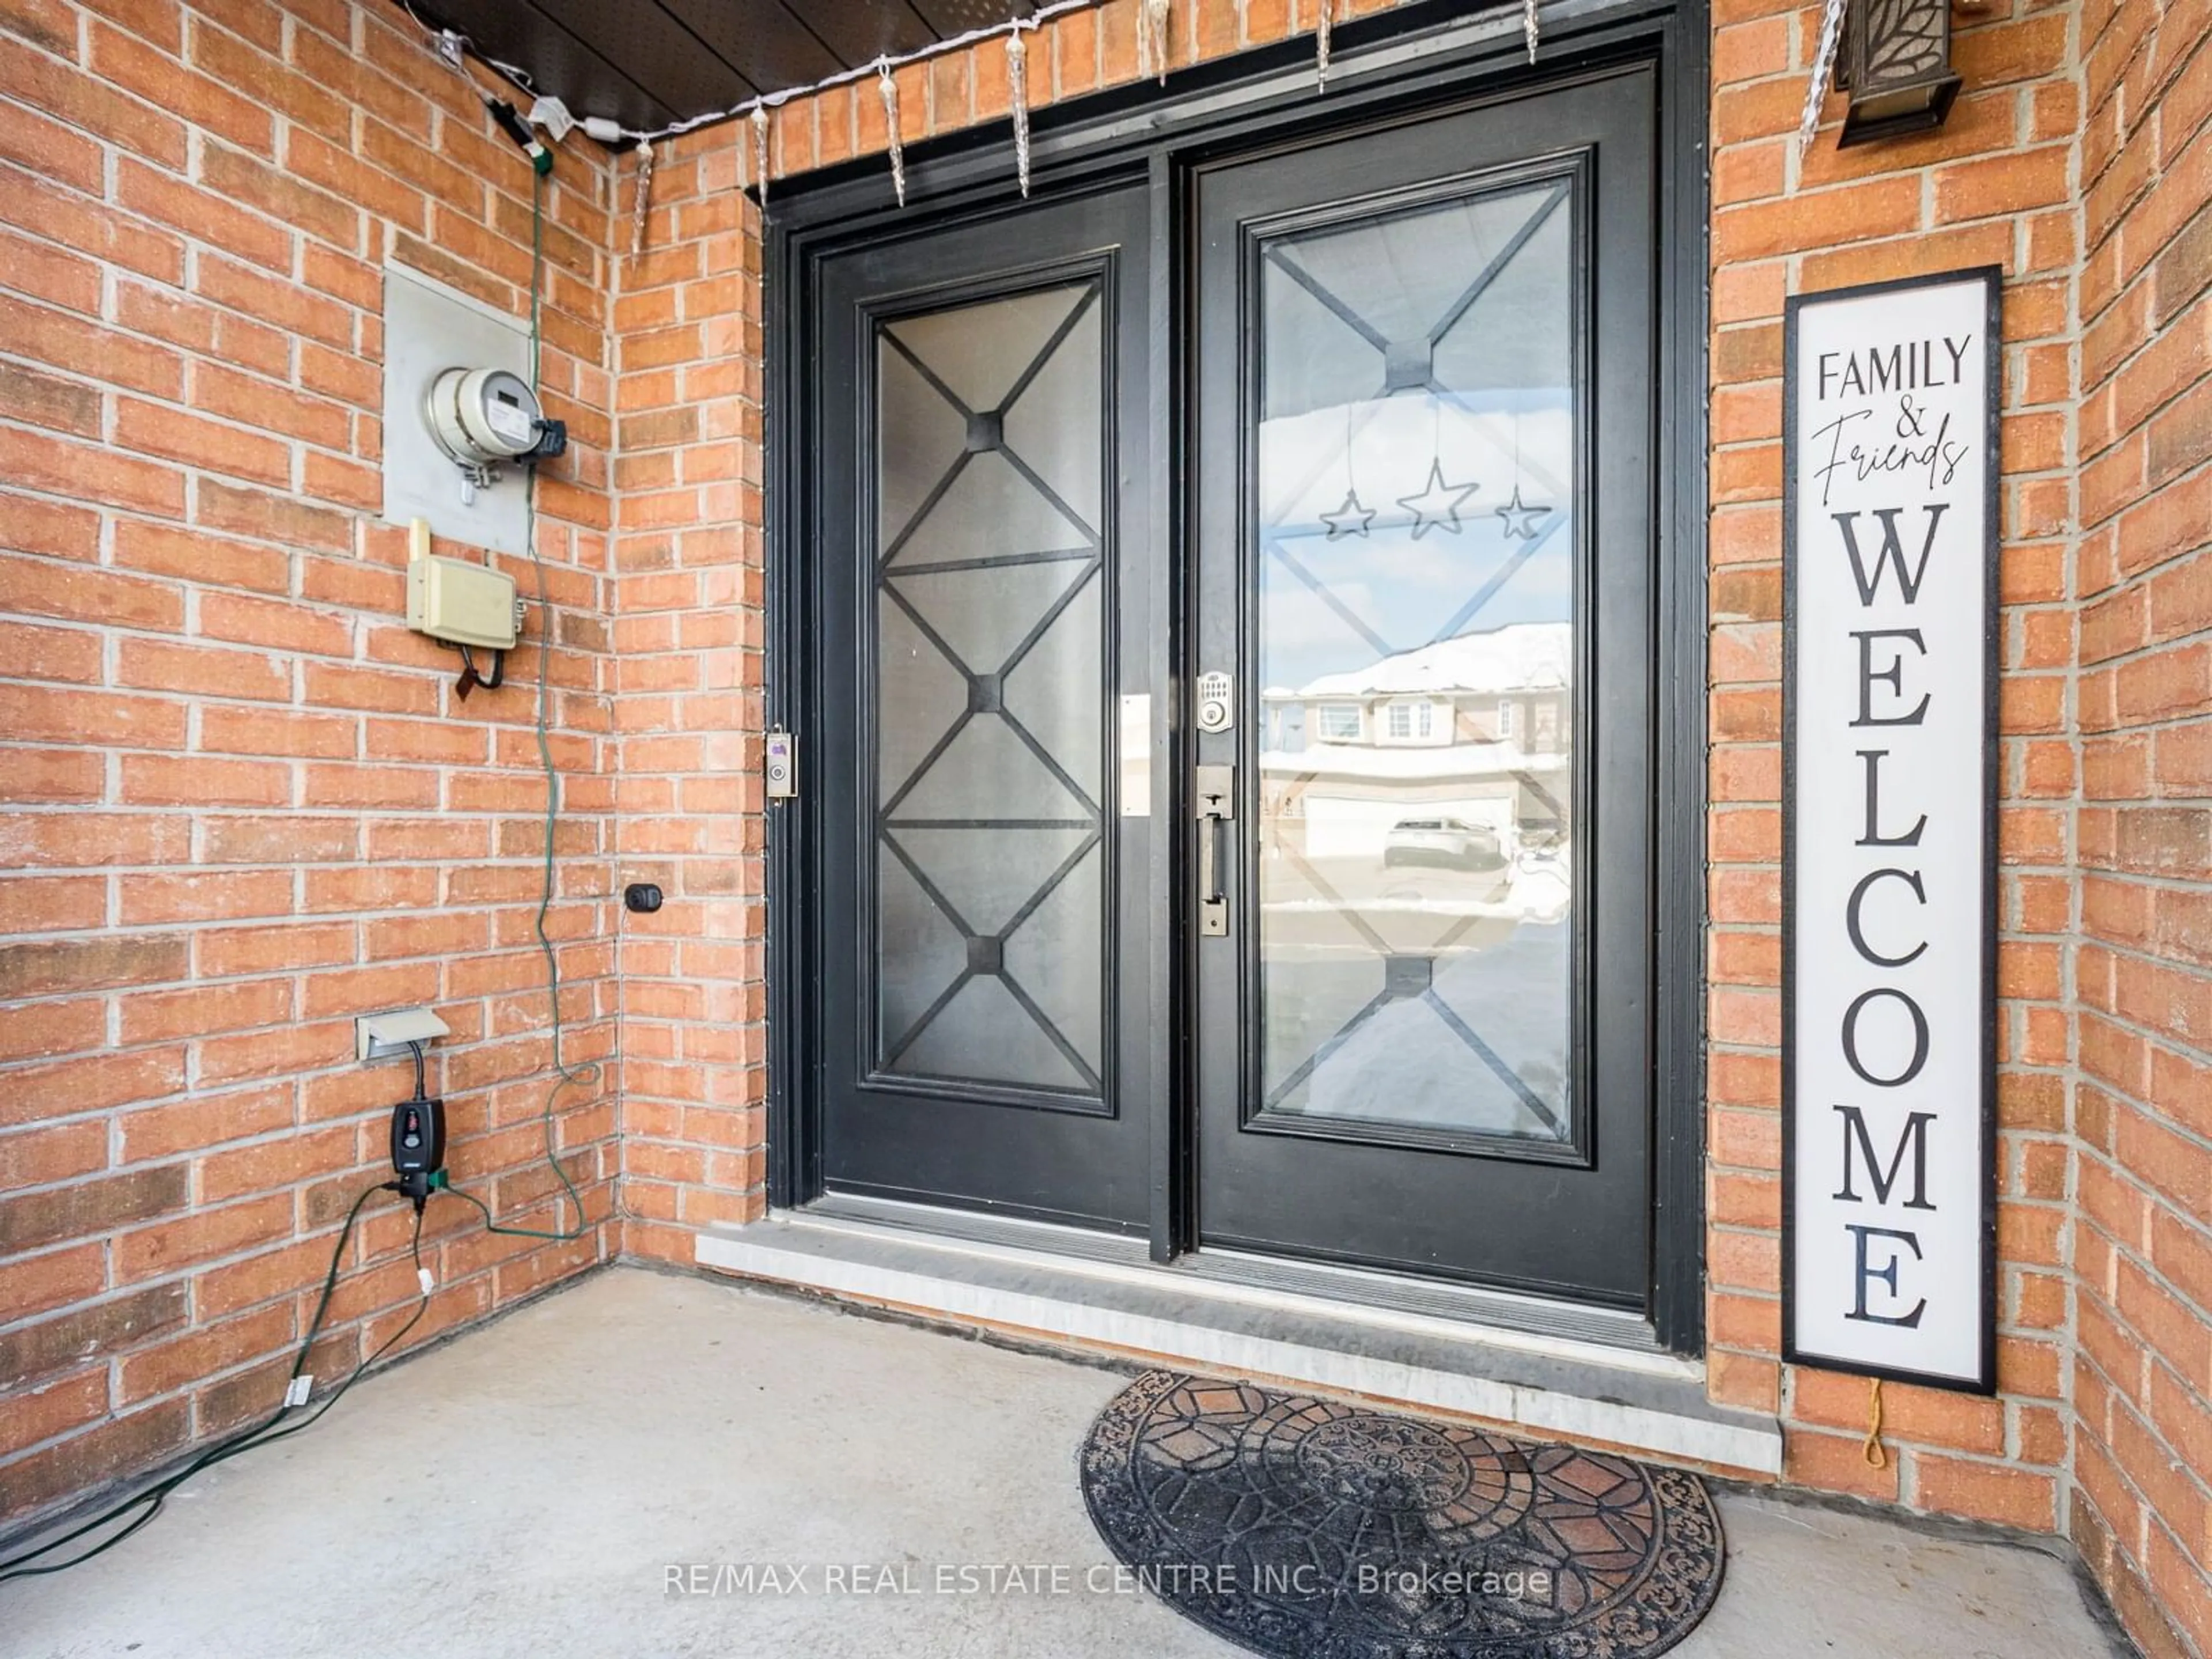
[154, 1497]
[569, 1077]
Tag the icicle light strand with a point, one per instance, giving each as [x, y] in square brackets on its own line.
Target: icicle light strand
[1153, 19]
[1152, 38]
[644, 198]
[1018, 88]
[888, 88]
[1043, 13]
[1824, 66]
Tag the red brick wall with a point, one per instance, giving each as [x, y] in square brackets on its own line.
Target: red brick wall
[2142, 1382]
[688, 651]
[239, 802]
[1994, 186]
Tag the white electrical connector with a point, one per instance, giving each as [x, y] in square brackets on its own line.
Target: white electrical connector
[607, 131]
[429, 1283]
[551, 113]
[296, 1391]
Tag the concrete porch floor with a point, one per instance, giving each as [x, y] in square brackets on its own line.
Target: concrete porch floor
[522, 1490]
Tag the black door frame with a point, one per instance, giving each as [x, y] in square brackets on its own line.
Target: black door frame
[1382, 66]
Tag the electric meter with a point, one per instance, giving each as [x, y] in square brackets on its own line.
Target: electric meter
[481, 416]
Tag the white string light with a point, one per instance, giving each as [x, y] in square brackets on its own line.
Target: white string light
[888, 88]
[1823, 65]
[1153, 19]
[450, 44]
[1018, 90]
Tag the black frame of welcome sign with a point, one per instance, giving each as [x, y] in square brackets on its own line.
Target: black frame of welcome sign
[1794, 463]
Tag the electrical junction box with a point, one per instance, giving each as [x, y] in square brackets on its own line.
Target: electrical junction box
[430, 328]
[461, 603]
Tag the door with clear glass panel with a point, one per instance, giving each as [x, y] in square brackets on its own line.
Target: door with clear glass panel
[989, 927]
[1424, 517]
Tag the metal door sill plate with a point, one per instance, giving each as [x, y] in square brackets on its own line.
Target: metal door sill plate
[1093, 1290]
[1497, 1311]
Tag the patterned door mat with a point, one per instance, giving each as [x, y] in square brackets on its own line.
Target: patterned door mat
[1306, 1528]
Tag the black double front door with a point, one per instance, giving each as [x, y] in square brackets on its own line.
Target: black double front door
[1234, 793]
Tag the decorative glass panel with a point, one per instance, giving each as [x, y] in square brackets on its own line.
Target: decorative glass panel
[1416, 527]
[990, 916]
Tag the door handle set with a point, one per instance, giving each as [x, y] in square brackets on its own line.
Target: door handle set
[1213, 795]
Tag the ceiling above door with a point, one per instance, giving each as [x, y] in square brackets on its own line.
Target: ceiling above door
[650, 62]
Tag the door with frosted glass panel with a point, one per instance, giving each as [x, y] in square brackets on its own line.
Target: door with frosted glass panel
[1425, 534]
[990, 922]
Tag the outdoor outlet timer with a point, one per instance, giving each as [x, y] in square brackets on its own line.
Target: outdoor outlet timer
[418, 1145]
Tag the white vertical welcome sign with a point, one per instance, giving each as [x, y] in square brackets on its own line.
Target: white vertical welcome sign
[1890, 625]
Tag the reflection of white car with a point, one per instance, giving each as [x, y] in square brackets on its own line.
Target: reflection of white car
[1442, 841]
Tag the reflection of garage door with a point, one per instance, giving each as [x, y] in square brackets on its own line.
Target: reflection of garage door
[1345, 826]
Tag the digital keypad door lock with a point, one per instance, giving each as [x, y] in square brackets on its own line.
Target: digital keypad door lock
[1216, 701]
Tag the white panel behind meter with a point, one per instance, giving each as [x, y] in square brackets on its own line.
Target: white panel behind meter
[429, 327]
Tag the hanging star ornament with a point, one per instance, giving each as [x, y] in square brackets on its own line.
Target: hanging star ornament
[1521, 520]
[1350, 520]
[1438, 504]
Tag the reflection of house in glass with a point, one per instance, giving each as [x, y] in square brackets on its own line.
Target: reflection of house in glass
[1426, 750]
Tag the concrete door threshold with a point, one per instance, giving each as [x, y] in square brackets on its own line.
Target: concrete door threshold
[1645, 1402]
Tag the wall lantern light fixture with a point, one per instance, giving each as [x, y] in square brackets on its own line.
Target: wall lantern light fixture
[1895, 66]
